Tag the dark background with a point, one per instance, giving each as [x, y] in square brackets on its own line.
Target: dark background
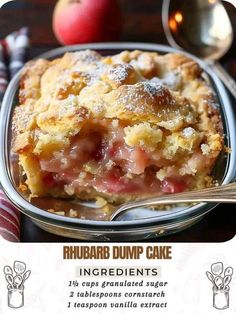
[141, 22]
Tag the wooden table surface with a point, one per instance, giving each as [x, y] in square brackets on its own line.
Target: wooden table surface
[141, 22]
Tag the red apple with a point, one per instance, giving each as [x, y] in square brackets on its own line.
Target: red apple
[82, 21]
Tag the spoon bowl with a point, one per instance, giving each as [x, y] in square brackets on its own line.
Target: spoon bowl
[217, 268]
[228, 271]
[8, 270]
[201, 27]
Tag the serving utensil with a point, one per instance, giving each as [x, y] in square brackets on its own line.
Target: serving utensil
[226, 288]
[219, 282]
[19, 267]
[227, 280]
[18, 280]
[203, 28]
[25, 276]
[228, 271]
[210, 277]
[217, 268]
[10, 280]
[219, 194]
[8, 270]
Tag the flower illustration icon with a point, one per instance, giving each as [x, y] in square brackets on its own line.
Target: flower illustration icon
[220, 279]
[15, 279]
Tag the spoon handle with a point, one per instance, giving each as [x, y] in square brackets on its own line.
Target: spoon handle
[225, 77]
[222, 194]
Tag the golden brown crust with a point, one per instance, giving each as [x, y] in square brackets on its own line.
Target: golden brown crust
[154, 94]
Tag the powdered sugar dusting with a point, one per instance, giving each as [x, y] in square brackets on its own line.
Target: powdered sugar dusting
[170, 80]
[119, 72]
[154, 89]
[145, 96]
[88, 56]
[188, 132]
[98, 70]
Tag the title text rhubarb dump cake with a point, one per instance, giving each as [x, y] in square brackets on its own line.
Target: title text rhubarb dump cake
[124, 127]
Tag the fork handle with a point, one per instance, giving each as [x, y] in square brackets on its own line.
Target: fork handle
[220, 194]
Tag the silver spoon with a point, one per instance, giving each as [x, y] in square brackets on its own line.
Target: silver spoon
[203, 28]
[219, 194]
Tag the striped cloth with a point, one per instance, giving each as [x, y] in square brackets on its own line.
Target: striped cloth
[9, 220]
[13, 53]
[3, 70]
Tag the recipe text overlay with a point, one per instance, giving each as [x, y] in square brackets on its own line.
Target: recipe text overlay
[138, 293]
[117, 252]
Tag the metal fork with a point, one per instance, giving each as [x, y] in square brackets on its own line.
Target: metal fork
[219, 194]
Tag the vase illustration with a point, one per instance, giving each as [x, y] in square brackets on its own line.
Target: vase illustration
[220, 298]
[15, 278]
[220, 278]
[16, 297]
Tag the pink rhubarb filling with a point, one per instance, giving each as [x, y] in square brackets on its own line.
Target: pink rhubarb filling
[100, 159]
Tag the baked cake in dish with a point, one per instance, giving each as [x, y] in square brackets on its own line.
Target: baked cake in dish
[124, 127]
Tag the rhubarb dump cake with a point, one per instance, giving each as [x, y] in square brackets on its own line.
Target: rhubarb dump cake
[123, 127]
